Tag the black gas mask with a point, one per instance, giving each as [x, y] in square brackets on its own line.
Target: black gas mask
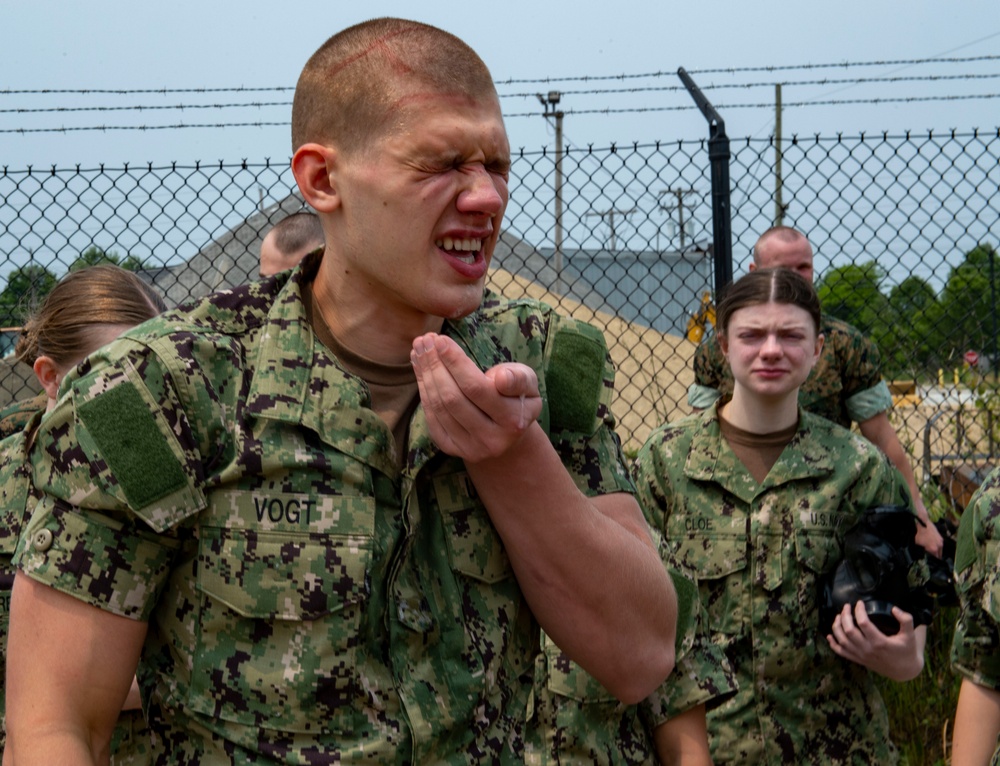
[884, 567]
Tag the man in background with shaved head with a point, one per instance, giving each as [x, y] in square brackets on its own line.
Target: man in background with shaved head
[289, 241]
[332, 509]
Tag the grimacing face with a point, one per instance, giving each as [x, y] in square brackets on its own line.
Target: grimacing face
[771, 348]
[421, 207]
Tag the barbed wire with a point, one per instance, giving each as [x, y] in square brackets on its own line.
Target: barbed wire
[144, 107]
[736, 70]
[566, 112]
[746, 86]
[525, 81]
[594, 91]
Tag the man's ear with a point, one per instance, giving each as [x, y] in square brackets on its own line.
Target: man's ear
[48, 375]
[312, 166]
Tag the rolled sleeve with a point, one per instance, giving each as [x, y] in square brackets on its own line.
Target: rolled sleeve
[701, 397]
[869, 403]
[113, 566]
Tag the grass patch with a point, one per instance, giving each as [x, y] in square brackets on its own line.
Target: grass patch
[922, 711]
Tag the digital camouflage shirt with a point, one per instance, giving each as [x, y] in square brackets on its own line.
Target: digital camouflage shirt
[16, 416]
[15, 484]
[575, 720]
[845, 385]
[975, 651]
[130, 741]
[223, 477]
[758, 551]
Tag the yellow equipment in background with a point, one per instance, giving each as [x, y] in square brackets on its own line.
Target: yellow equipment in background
[705, 315]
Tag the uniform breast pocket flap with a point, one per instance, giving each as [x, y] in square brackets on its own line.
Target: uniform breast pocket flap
[268, 575]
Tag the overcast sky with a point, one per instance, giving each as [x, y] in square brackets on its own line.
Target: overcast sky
[118, 45]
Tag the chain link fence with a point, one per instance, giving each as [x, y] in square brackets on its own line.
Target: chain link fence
[905, 230]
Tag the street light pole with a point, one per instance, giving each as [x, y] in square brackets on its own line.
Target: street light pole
[550, 102]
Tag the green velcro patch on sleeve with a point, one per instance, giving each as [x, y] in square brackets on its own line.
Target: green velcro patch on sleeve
[574, 377]
[965, 543]
[129, 441]
[687, 594]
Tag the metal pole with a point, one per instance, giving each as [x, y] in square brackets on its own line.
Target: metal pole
[718, 155]
[559, 200]
[779, 207]
[553, 98]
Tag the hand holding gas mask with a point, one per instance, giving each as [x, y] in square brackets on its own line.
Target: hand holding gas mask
[884, 567]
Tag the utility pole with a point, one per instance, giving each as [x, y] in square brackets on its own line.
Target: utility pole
[549, 103]
[779, 207]
[610, 215]
[679, 193]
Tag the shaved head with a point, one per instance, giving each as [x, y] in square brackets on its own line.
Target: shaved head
[350, 89]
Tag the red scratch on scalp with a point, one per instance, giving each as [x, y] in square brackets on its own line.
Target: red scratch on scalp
[380, 45]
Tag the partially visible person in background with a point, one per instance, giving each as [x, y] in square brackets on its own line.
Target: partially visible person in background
[755, 496]
[975, 651]
[289, 241]
[15, 416]
[86, 310]
[846, 384]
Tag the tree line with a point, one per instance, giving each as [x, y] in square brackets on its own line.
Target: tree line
[27, 285]
[917, 330]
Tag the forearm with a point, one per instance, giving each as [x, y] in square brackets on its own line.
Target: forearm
[683, 740]
[587, 567]
[879, 431]
[977, 724]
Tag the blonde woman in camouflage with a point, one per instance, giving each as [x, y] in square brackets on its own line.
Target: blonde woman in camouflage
[754, 495]
[86, 310]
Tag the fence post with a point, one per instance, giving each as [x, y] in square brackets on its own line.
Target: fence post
[718, 155]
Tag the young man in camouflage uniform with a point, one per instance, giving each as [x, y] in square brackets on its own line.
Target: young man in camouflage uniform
[332, 509]
[845, 385]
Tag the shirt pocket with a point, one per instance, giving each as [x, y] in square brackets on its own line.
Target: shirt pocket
[991, 580]
[279, 621]
[485, 619]
[565, 679]
[818, 549]
[718, 560]
[474, 546]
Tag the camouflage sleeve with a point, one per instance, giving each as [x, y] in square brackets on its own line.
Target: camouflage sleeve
[860, 371]
[651, 481]
[17, 415]
[579, 384]
[702, 674]
[975, 649]
[119, 468]
[709, 364]
[14, 486]
[869, 403]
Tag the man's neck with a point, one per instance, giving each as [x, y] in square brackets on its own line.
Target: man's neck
[761, 416]
[382, 335]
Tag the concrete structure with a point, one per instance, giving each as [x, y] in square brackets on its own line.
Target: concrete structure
[658, 290]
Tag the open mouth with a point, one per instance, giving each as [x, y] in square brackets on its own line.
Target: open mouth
[463, 249]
